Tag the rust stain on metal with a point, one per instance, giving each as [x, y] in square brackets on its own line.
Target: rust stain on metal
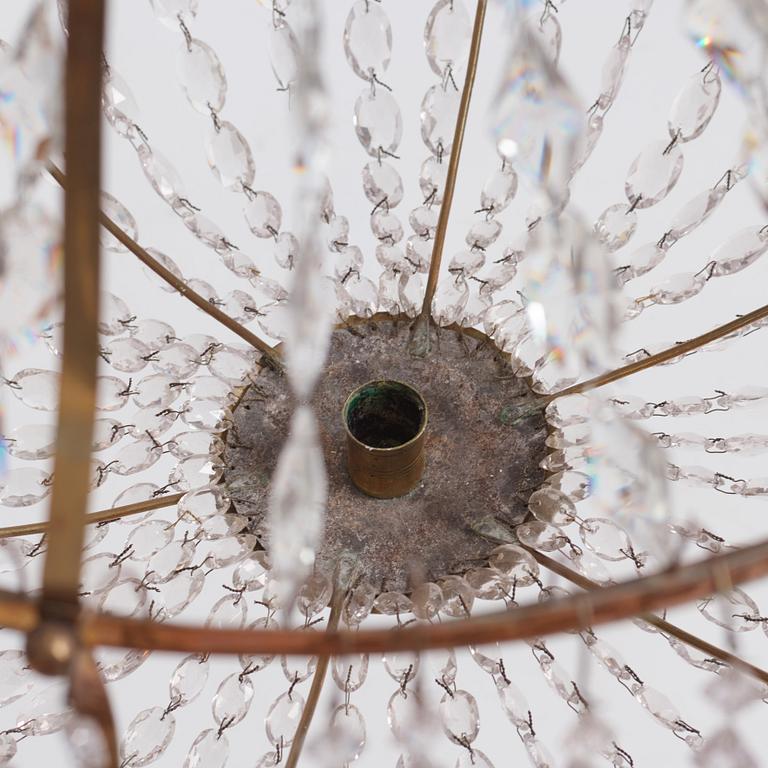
[477, 463]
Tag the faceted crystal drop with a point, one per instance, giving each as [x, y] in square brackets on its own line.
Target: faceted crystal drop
[679, 288]
[499, 189]
[136, 457]
[232, 699]
[515, 564]
[162, 176]
[347, 733]
[15, 679]
[432, 179]
[286, 250]
[32, 441]
[201, 76]
[37, 388]
[177, 360]
[458, 596]
[229, 156]
[483, 233]
[695, 105]
[613, 72]
[127, 355]
[382, 183]
[121, 216]
[411, 293]
[653, 174]
[147, 737]
[439, 108]
[368, 39]
[551, 506]
[24, 486]
[149, 537]
[283, 718]
[350, 672]
[387, 227]
[298, 669]
[694, 213]
[460, 717]
[111, 393]
[263, 214]
[189, 679]
[378, 123]
[283, 54]
[209, 750]
[740, 250]
[119, 104]
[616, 226]
[447, 35]
[450, 300]
[605, 538]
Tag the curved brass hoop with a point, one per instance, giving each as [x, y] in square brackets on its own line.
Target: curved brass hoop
[602, 606]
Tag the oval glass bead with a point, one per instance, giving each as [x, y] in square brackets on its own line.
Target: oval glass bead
[368, 39]
[283, 54]
[230, 157]
[201, 76]
[439, 109]
[695, 105]
[447, 35]
[653, 174]
[382, 184]
[378, 123]
[263, 214]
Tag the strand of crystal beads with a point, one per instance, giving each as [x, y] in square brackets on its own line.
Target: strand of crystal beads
[703, 477]
[745, 444]
[751, 244]
[456, 300]
[121, 112]
[652, 700]
[378, 127]
[612, 78]
[637, 408]
[346, 732]
[513, 703]
[447, 36]
[656, 170]
[503, 270]
[688, 218]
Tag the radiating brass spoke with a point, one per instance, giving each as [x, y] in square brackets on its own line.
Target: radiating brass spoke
[199, 301]
[422, 322]
[102, 516]
[668, 628]
[666, 354]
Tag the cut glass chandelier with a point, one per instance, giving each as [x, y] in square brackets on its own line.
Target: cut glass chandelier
[401, 415]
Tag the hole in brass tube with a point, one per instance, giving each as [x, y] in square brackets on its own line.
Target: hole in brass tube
[385, 414]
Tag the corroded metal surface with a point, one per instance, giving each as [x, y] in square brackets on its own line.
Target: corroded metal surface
[478, 462]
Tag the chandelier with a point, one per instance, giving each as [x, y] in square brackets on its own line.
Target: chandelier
[367, 480]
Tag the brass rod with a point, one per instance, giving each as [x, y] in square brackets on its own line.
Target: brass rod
[664, 355]
[165, 274]
[317, 685]
[621, 601]
[683, 635]
[102, 516]
[453, 164]
[77, 398]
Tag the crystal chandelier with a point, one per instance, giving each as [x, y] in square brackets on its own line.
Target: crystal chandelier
[344, 492]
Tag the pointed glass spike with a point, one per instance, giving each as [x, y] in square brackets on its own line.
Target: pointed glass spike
[297, 503]
[368, 39]
[229, 156]
[447, 35]
[439, 109]
[536, 119]
[201, 76]
[378, 123]
[653, 174]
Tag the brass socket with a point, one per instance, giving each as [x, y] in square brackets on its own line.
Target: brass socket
[385, 422]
